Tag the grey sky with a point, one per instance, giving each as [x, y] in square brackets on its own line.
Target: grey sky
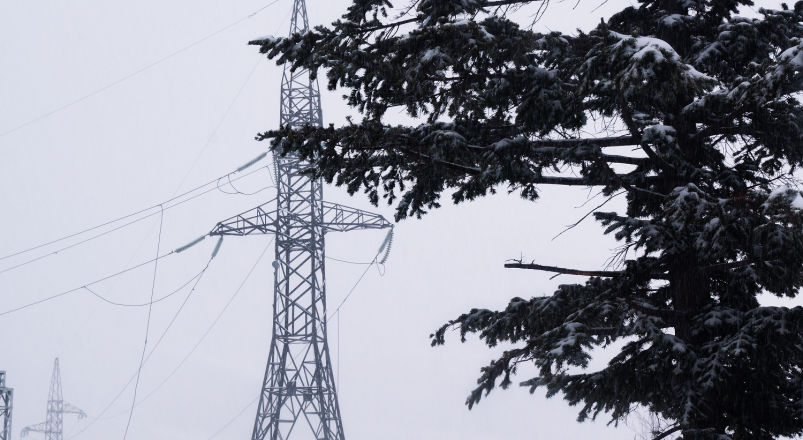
[130, 147]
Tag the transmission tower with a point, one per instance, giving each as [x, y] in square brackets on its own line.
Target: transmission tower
[299, 385]
[6, 405]
[56, 408]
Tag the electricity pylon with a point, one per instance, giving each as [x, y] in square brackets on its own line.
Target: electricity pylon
[6, 405]
[53, 427]
[299, 384]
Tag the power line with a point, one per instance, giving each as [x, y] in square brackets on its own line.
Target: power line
[138, 71]
[185, 358]
[342, 261]
[138, 212]
[207, 331]
[147, 326]
[113, 221]
[235, 417]
[227, 112]
[87, 284]
[147, 358]
[381, 248]
[221, 121]
[147, 303]
[352, 290]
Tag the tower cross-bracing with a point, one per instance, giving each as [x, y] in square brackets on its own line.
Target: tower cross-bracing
[53, 426]
[299, 386]
[6, 405]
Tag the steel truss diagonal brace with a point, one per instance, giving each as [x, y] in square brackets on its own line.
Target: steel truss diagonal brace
[72, 409]
[255, 221]
[336, 218]
[39, 427]
[342, 218]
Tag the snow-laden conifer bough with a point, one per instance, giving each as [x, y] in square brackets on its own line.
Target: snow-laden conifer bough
[708, 102]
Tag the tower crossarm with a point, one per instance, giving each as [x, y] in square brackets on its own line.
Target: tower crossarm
[336, 218]
[39, 427]
[341, 218]
[256, 221]
[71, 409]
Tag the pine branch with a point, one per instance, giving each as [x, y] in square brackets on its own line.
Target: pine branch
[713, 130]
[561, 270]
[717, 128]
[669, 315]
[419, 18]
[565, 271]
[390, 25]
[632, 189]
[474, 171]
[727, 266]
[619, 141]
[506, 2]
[627, 117]
[602, 331]
[668, 433]
[624, 159]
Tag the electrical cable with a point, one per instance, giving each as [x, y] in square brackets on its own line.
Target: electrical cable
[185, 358]
[221, 121]
[138, 71]
[345, 261]
[384, 247]
[135, 213]
[352, 290]
[87, 284]
[117, 228]
[155, 346]
[228, 109]
[181, 183]
[147, 326]
[235, 417]
[210, 327]
[224, 117]
[148, 303]
[237, 191]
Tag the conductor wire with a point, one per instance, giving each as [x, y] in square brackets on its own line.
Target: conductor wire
[160, 340]
[235, 417]
[210, 327]
[147, 326]
[222, 119]
[352, 290]
[138, 71]
[148, 303]
[87, 284]
[117, 220]
[125, 387]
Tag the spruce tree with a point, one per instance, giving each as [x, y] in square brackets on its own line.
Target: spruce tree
[708, 102]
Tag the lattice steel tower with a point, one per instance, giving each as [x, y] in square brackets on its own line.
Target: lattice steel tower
[53, 426]
[6, 405]
[299, 384]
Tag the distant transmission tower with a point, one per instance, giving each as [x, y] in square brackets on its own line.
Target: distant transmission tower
[6, 405]
[56, 408]
[299, 384]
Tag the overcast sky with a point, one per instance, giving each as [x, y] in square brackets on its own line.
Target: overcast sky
[177, 125]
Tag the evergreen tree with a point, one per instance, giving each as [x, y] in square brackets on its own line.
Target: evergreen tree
[708, 99]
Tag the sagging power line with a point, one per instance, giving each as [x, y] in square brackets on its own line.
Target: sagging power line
[137, 72]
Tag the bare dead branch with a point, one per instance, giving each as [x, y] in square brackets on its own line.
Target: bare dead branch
[561, 270]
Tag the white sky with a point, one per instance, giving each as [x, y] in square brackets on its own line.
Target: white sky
[129, 147]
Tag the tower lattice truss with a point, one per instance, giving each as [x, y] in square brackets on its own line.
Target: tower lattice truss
[53, 426]
[298, 393]
[6, 405]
